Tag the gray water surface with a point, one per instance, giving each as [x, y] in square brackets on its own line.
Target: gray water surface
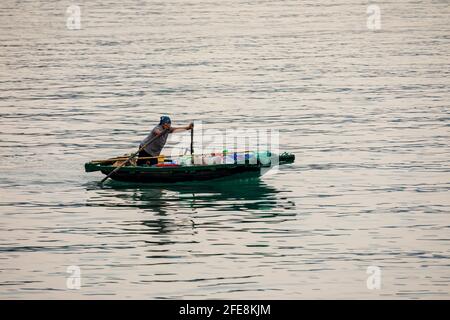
[365, 112]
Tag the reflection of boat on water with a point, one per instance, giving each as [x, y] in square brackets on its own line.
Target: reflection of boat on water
[169, 207]
[247, 192]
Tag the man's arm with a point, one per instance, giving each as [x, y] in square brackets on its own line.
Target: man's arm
[180, 129]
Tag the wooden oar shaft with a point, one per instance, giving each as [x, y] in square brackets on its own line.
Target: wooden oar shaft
[192, 144]
[122, 158]
[132, 156]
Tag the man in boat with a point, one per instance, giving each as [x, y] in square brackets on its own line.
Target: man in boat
[153, 149]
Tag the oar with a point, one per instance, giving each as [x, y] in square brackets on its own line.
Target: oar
[192, 144]
[131, 157]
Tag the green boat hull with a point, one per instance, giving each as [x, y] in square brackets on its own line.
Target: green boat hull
[151, 174]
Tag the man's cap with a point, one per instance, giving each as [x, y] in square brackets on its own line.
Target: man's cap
[164, 120]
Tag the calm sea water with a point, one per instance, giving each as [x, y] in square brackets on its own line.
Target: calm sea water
[365, 112]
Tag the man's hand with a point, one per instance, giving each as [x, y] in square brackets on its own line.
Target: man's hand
[180, 129]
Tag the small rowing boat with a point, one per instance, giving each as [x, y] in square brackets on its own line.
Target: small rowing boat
[197, 167]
